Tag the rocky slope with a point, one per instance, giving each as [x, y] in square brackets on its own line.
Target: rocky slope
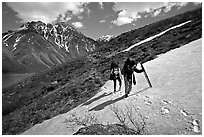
[42, 45]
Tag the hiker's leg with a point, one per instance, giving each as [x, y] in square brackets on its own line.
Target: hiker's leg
[114, 82]
[120, 83]
[126, 85]
[129, 85]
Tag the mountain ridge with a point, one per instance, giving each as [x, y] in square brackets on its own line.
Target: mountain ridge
[43, 45]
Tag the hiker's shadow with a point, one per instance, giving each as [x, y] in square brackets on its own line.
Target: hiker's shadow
[96, 98]
[104, 104]
[139, 91]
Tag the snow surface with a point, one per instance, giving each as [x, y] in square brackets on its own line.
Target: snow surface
[172, 106]
[157, 35]
[86, 48]
[9, 35]
[18, 38]
[17, 41]
[106, 37]
[77, 47]
[66, 47]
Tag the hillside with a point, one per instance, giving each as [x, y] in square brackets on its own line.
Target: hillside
[171, 107]
[62, 88]
[42, 45]
[132, 37]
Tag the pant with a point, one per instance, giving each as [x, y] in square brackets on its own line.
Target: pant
[114, 81]
[128, 85]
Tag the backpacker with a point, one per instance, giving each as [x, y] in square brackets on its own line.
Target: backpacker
[114, 71]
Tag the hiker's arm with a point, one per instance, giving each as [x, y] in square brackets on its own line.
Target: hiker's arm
[119, 71]
[120, 74]
[137, 70]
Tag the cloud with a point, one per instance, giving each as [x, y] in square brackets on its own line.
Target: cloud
[124, 17]
[168, 6]
[135, 15]
[156, 12]
[122, 20]
[80, 17]
[88, 11]
[100, 4]
[46, 11]
[101, 21]
[78, 25]
[132, 11]
[64, 17]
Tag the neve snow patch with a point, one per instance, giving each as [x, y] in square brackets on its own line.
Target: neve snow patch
[157, 35]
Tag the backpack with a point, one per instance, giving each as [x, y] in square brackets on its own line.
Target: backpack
[128, 68]
[114, 71]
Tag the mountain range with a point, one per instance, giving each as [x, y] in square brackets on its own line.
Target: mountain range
[42, 45]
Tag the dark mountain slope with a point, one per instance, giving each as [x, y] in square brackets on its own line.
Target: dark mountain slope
[63, 87]
[129, 38]
[42, 45]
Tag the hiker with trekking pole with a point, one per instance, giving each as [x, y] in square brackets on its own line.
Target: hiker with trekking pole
[129, 67]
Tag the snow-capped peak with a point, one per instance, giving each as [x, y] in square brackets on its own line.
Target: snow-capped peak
[105, 38]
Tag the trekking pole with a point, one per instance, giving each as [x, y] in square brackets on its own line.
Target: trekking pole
[146, 76]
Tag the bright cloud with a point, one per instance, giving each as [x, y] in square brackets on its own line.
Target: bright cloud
[122, 20]
[101, 5]
[135, 15]
[77, 24]
[156, 12]
[129, 12]
[124, 17]
[101, 21]
[46, 11]
[80, 17]
[168, 6]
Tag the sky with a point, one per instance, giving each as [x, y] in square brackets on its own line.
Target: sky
[93, 19]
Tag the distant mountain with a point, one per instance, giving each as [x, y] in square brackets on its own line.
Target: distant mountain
[105, 38]
[36, 46]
